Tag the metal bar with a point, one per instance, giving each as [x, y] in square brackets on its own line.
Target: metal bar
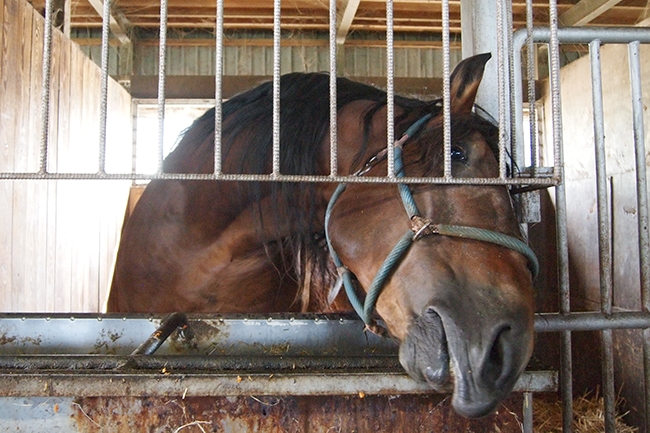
[116, 384]
[45, 92]
[144, 363]
[251, 334]
[530, 79]
[642, 209]
[218, 88]
[287, 178]
[170, 324]
[528, 412]
[333, 93]
[604, 235]
[103, 102]
[446, 91]
[584, 35]
[162, 60]
[390, 92]
[502, 62]
[591, 321]
[277, 35]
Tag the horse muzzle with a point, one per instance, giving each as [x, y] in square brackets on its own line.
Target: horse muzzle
[480, 363]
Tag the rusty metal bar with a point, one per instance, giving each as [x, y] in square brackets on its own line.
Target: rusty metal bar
[116, 384]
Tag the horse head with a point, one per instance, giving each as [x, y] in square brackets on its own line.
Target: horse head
[462, 308]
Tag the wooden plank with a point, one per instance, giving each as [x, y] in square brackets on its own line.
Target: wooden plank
[117, 22]
[586, 11]
[349, 11]
[6, 159]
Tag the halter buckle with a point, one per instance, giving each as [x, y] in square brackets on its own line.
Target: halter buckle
[422, 227]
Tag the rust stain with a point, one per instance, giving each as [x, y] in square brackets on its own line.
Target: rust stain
[411, 413]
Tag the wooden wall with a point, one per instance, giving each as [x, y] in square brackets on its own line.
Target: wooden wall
[57, 238]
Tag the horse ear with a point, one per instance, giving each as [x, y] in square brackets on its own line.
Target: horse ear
[465, 80]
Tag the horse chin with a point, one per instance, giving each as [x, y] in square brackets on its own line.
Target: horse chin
[425, 355]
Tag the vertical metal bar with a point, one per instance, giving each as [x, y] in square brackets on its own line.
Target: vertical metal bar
[446, 90]
[333, 95]
[604, 234]
[554, 73]
[502, 61]
[528, 412]
[162, 59]
[561, 215]
[530, 78]
[566, 362]
[390, 89]
[218, 89]
[277, 13]
[45, 95]
[103, 101]
[642, 209]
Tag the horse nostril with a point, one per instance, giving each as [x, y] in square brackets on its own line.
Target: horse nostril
[497, 364]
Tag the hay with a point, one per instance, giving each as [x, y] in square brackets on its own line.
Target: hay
[588, 416]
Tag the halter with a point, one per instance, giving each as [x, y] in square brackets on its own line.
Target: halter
[419, 227]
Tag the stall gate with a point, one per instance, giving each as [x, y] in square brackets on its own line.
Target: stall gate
[62, 356]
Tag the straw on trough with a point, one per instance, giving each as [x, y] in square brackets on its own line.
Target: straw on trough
[588, 416]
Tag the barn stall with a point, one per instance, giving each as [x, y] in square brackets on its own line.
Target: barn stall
[63, 211]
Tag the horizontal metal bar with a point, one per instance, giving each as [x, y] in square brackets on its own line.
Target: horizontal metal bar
[591, 321]
[546, 181]
[71, 384]
[584, 35]
[237, 335]
[198, 363]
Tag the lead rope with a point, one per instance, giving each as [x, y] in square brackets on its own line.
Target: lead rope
[419, 227]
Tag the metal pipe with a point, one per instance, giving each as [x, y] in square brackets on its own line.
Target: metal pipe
[591, 321]
[169, 324]
[604, 235]
[642, 208]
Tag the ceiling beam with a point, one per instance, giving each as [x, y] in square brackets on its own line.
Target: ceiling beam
[585, 11]
[117, 22]
[349, 12]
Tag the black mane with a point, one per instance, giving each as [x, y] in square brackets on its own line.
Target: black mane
[304, 120]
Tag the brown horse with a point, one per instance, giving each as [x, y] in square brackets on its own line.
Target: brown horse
[461, 308]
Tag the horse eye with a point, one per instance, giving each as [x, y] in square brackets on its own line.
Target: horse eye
[458, 154]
